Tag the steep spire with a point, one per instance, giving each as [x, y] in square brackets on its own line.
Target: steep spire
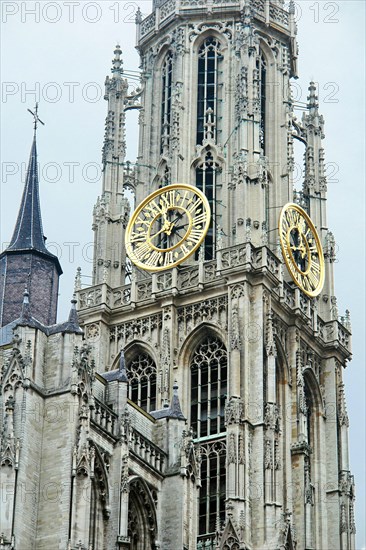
[27, 262]
[28, 231]
[176, 411]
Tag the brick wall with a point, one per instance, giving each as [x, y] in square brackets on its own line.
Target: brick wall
[39, 275]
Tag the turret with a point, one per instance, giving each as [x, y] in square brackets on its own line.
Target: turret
[111, 210]
[27, 262]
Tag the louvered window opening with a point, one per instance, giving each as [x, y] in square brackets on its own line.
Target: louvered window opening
[209, 57]
[166, 103]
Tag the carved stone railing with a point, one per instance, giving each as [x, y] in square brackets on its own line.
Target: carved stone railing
[90, 297]
[148, 24]
[121, 296]
[238, 259]
[248, 257]
[206, 542]
[334, 333]
[105, 418]
[143, 290]
[146, 450]
[242, 257]
[264, 10]
[289, 295]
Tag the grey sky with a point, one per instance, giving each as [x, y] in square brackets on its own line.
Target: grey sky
[62, 64]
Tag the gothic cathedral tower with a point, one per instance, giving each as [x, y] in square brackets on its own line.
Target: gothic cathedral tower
[258, 364]
[199, 407]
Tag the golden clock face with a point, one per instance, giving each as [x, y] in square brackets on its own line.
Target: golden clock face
[301, 249]
[167, 227]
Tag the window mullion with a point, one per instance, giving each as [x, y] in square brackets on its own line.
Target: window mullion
[148, 394]
[199, 394]
[209, 400]
[208, 491]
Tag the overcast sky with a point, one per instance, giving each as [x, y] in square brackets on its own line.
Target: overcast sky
[59, 54]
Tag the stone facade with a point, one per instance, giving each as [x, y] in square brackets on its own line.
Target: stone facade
[201, 407]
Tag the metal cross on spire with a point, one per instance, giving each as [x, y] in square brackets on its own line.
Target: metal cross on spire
[36, 117]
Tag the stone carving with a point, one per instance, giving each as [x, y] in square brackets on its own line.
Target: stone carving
[122, 296]
[208, 310]
[224, 28]
[92, 331]
[342, 409]
[125, 475]
[147, 25]
[234, 411]
[235, 342]
[241, 450]
[268, 463]
[270, 343]
[139, 328]
[231, 457]
[272, 417]
[10, 446]
[240, 159]
[277, 457]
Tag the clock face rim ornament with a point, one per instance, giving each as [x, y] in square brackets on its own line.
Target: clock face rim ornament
[195, 232]
[308, 239]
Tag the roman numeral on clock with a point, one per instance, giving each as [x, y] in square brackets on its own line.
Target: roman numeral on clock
[142, 251]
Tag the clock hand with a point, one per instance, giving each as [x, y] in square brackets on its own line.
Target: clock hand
[180, 227]
[167, 228]
[179, 216]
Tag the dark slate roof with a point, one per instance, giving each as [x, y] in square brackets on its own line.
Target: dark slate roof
[119, 374]
[28, 231]
[27, 320]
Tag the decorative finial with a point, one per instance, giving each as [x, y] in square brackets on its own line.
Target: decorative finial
[72, 324]
[122, 368]
[36, 118]
[138, 17]
[77, 284]
[175, 409]
[25, 296]
[312, 97]
[25, 314]
[117, 63]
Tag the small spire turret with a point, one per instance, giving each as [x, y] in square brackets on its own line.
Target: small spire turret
[117, 62]
[175, 408]
[312, 98]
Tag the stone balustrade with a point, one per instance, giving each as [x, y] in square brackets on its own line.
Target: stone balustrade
[237, 259]
[146, 450]
[104, 418]
[264, 10]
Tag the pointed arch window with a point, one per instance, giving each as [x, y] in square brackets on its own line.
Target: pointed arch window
[206, 181]
[208, 387]
[209, 80]
[166, 100]
[142, 387]
[99, 502]
[141, 517]
[213, 488]
[208, 395]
